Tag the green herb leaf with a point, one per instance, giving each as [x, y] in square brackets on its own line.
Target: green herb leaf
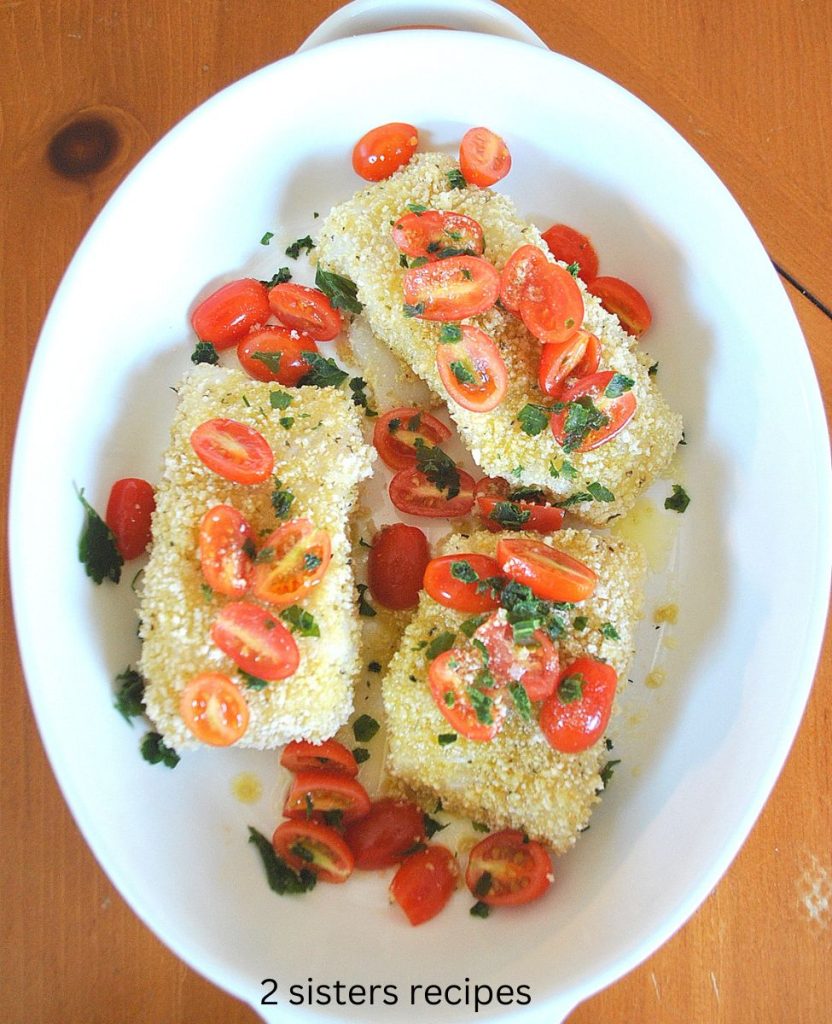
[412, 310]
[450, 333]
[156, 751]
[359, 396]
[462, 373]
[324, 372]
[470, 626]
[509, 515]
[281, 878]
[653, 370]
[599, 492]
[464, 571]
[271, 360]
[364, 606]
[97, 548]
[361, 754]
[432, 826]
[679, 500]
[482, 886]
[521, 700]
[533, 419]
[282, 276]
[580, 622]
[482, 704]
[607, 772]
[204, 352]
[574, 269]
[618, 386]
[444, 739]
[439, 468]
[480, 909]
[583, 417]
[444, 641]
[417, 208]
[341, 291]
[300, 621]
[281, 500]
[571, 688]
[252, 682]
[456, 179]
[130, 694]
[280, 399]
[295, 249]
[609, 631]
[364, 728]
[267, 237]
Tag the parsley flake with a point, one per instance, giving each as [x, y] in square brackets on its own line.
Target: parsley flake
[679, 500]
[533, 419]
[364, 606]
[438, 467]
[444, 641]
[281, 878]
[204, 352]
[130, 695]
[156, 751]
[97, 548]
[364, 728]
[324, 372]
[300, 621]
[341, 291]
[295, 249]
[456, 179]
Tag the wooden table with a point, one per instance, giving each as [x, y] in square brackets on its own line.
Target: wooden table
[749, 84]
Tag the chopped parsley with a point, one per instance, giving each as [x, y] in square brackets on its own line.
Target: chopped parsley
[574, 269]
[653, 370]
[286, 422]
[130, 694]
[571, 688]
[280, 399]
[282, 276]
[341, 291]
[462, 373]
[295, 249]
[521, 700]
[450, 333]
[359, 395]
[533, 419]
[364, 606]
[482, 704]
[456, 179]
[464, 571]
[444, 739]
[97, 548]
[324, 372]
[204, 352]
[599, 492]
[580, 623]
[679, 500]
[618, 386]
[417, 208]
[509, 515]
[432, 826]
[364, 728]
[438, 467]
[470, 626]
[271, 360]
[156, 751]
[566, 470]
[361, 754]
[281, 878]
[267, 237]
[374, 666]
[609, 632]
[607, 772]
[300, 621]
[583, 418]
[281, 500]
[252, 682]
[444, 641]
[416, 309]
[482, 886]
[480, 909]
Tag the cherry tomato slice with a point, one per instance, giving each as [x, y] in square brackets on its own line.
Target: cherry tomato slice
[233, 450]
[616, 413]
[519, 274]
[300, 755]
[535, 664]
[483, 157]
[507, 869]
[578, 357]
[230, 312]
[316, 794]
[570, 246]
[383, 836]
[412, 493]
[552, 307]
[306, 309]
[225, 544]
[445, 581]
[472, 370]
[255, 641]
[577, 713]
[451, 289]
[552, 574]
[276, 354]
[424, 883]
[129, 512]
[291, 562]
[384, 150]
[311, 846]
[397, 564]
[395, 434]
[438, 234]
[502, 508]
[628, 304]
[214, 709]
[473, 710]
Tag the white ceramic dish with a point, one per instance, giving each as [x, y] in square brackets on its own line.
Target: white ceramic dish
[752, 564]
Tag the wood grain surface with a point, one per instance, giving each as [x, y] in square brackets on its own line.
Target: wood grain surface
[749, 84]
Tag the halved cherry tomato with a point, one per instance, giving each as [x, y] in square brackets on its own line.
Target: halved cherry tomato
[473, 370]
[395, 434]
[230, 312]
[451, 289]
[578, 357]
[447, 585]
[577, 713]
[472, 706]
[397, 564]
[276, 353]
[306, 309]
[291, 562]
[233, 450]
[424, 883]
[129, 512]
[384, 150]
[552, 307]
[500, 509]
[519, 274]
[226, 543]
[383, 836]
[628, 304]
[214, 709]
[314, 847]
[411, 492]
[316, 793]
[535, 665]
[552, 574]
[483, 157]
[438, 234]
[616, 413]
[507, 869]
[255, 641]
[570, 246]
[300, 755]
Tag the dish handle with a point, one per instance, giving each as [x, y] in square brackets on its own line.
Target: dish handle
[362, 17]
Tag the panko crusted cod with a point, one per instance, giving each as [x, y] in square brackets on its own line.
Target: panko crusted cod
[515, 780]
[356, 242]
[320, 458]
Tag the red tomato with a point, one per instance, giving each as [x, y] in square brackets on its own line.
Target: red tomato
[233, 450]
[315, 793]
[507, 869]
[535, 665]
[305, 309]
[397, 564]
[291, 562]
[552, 307]
[577, 713]
[129, 511]
[473, 710]
[424, 883]
[230, 312]
[438, 234]
[472, 370]
[617, 412]
[628, 304]
[570, 246]
[493, 494]
[384, 150]
[314, 847]
[383, 837]
[519, 274]
[225, 544]
[412, 493]
[451, 289]
[255, 641]
[452, 592]
[483, 157]
[552, 574]
[578, 357]
[276, 353]
[395, 434]
[300, 755]
[214, 709]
